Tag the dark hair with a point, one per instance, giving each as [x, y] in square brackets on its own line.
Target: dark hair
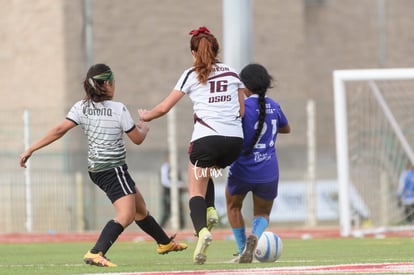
[93, 83]
[256, 78]
[206, 47]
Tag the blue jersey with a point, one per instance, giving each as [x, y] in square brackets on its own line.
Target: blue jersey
[406, 187]
[261, 166]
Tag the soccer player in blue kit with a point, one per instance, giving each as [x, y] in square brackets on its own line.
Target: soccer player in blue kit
[256, 169]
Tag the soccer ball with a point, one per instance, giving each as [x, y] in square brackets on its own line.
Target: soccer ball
[269, 247]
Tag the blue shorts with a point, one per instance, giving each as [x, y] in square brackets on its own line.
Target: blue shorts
[266, 191]
[219, 151]
[115, 182]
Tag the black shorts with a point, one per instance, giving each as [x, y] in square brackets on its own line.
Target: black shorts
[115, 182]
[219, 151]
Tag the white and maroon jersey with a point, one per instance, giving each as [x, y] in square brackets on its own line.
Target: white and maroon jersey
[215, 103]
[104, 124]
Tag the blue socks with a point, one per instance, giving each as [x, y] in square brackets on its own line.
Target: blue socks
[240, 235]
[259, 225]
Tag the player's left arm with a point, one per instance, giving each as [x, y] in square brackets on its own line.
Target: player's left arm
[162, 108]
[241, 93]
[284, 130]
[284, 127]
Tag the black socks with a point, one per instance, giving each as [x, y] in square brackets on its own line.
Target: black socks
[198, 212]
[108, 236]
[150, 226]
[210, 194]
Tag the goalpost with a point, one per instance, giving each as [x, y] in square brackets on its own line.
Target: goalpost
[374, 125]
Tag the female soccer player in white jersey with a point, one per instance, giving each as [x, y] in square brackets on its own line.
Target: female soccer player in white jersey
[256, 169]
[217, 95]
[104, 123]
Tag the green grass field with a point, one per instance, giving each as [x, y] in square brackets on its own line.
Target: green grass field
[66, 258]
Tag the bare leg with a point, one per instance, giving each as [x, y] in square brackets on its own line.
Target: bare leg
[234, 205]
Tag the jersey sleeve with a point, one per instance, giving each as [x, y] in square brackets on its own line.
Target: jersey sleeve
[74, 113]
[127, 123]
[283, 121]
[185, 81]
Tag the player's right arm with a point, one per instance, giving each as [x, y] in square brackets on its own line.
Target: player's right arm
[162, 108]
[52, 135]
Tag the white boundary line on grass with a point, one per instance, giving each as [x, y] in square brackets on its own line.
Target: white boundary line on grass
[367, 268]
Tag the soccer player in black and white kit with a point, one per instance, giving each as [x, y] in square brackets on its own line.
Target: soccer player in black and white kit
[104, 122]
[218, 102]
